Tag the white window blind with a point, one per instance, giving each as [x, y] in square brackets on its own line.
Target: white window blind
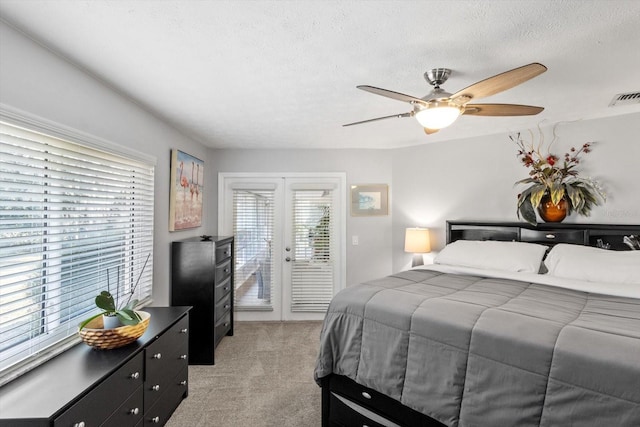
[74, 221]
[253, 218]
[313, 266]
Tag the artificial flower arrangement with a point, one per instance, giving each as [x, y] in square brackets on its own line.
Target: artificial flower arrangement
[554, 179]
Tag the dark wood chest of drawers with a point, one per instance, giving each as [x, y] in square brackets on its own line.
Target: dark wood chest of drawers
[140, 384]
[202, 277]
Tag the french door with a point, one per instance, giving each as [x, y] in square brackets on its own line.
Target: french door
[289, 234]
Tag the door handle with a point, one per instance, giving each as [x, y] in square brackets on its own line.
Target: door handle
[288, 259]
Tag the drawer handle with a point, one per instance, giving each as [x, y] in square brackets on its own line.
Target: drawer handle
[135, 375]
[157, 356]
[80, 424]
[183, 357]
[183, 382]
[155, 420]
[156, 387]
[184, 331]
[366, 395]
[134, 411]
[550, 236]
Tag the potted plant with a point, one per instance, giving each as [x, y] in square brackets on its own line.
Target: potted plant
[114, 316]
[555, 189]
[125, 315]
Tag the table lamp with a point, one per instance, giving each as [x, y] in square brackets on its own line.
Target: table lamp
[416, 241]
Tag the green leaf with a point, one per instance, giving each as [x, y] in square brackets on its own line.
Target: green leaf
[576, 195]
[84, 323]
[526, 181]
[131, 305]
[557, 193]
[105, 301]
[128, 317]
[528, 212]
[536, 195]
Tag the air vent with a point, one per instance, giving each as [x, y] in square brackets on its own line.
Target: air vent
[625, 99]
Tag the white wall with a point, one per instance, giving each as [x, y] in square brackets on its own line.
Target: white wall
[372, 257]
[473, 178]
[34, 80]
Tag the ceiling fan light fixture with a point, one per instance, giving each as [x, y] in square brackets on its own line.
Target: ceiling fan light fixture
[438, 115]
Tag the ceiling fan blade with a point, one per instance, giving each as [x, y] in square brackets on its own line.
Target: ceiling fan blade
[391, 94]
[409, 114]
[501, 110]
[430, 131]
[500, 82]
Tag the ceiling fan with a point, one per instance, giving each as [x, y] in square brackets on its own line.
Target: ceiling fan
[438, 109]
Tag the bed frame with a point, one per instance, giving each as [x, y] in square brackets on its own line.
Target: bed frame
[346, 403]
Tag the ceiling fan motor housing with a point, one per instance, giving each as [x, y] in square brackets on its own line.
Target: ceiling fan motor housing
[437, 76]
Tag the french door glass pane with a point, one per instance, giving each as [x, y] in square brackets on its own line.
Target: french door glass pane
[253, 217]
[312, 274]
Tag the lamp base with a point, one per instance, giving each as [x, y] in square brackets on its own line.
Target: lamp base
[418, 259]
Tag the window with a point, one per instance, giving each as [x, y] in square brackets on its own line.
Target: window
[74, 220]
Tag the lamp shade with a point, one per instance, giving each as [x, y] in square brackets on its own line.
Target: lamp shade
[416, 240]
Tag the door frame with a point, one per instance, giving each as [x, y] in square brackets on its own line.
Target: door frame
[341, 226]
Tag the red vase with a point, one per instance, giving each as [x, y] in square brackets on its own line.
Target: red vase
[550, 212]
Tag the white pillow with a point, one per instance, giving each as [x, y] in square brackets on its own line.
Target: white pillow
[493, 255]
[593, 264]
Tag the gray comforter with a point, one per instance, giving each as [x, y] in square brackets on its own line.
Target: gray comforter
[473, 351]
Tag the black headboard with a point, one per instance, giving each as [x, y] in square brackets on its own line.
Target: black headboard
[610, 236]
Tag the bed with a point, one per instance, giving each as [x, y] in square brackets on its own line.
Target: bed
[482, 338]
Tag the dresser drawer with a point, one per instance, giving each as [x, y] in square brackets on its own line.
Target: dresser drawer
[176, 337]
[129, 413]
[223, 252]
[223, 271]
[161, 410]
[167, 356]
[97, 405]
[222, 327]
[363, 399]
[347, 413]
[223, 307]
[552, 236]
[223, 289]
[356, 392]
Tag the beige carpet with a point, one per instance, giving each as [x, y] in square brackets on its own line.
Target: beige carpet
[263, 376]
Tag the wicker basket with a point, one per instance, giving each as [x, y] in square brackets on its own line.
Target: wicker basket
[106, 339]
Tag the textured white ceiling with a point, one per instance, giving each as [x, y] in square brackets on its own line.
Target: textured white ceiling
[278, 74]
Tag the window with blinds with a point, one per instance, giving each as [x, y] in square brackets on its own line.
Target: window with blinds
[313, 271]
[74, 221]
[253, 218]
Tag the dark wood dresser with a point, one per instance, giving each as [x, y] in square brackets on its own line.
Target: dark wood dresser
[140, 384]
[202, 277]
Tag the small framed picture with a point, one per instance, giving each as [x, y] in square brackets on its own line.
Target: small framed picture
[369, 200]
[187, 188]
